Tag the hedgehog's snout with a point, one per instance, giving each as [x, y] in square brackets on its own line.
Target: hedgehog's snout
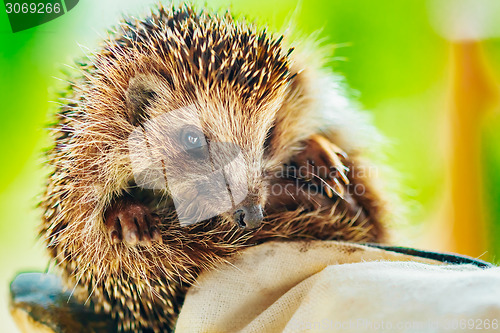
[249, 217]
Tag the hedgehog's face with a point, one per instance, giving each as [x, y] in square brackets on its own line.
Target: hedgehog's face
[207, 154]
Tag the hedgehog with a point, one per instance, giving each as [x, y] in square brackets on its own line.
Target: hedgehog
[187, 137]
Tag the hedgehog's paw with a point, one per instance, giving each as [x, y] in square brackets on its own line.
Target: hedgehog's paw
[131, 222]
[321, 162]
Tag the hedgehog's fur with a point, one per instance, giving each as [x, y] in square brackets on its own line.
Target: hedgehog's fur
[250, 90]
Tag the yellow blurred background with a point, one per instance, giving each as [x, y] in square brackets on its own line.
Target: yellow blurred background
[431, 93]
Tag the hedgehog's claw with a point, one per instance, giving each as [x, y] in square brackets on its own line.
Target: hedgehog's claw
[115, 237]
[131, 222]
[153, 230]
[321, 162]
[155, 233]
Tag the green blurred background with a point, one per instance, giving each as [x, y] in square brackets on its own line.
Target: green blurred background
[391, 57]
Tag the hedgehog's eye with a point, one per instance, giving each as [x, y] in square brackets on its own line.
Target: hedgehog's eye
[194, 143]
[192, 139]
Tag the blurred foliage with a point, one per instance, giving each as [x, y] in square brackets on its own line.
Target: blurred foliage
[389, 54]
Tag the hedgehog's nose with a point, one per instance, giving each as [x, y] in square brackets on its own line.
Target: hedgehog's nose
[249, 217]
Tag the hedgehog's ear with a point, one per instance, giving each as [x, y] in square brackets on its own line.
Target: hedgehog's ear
[139, 95]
